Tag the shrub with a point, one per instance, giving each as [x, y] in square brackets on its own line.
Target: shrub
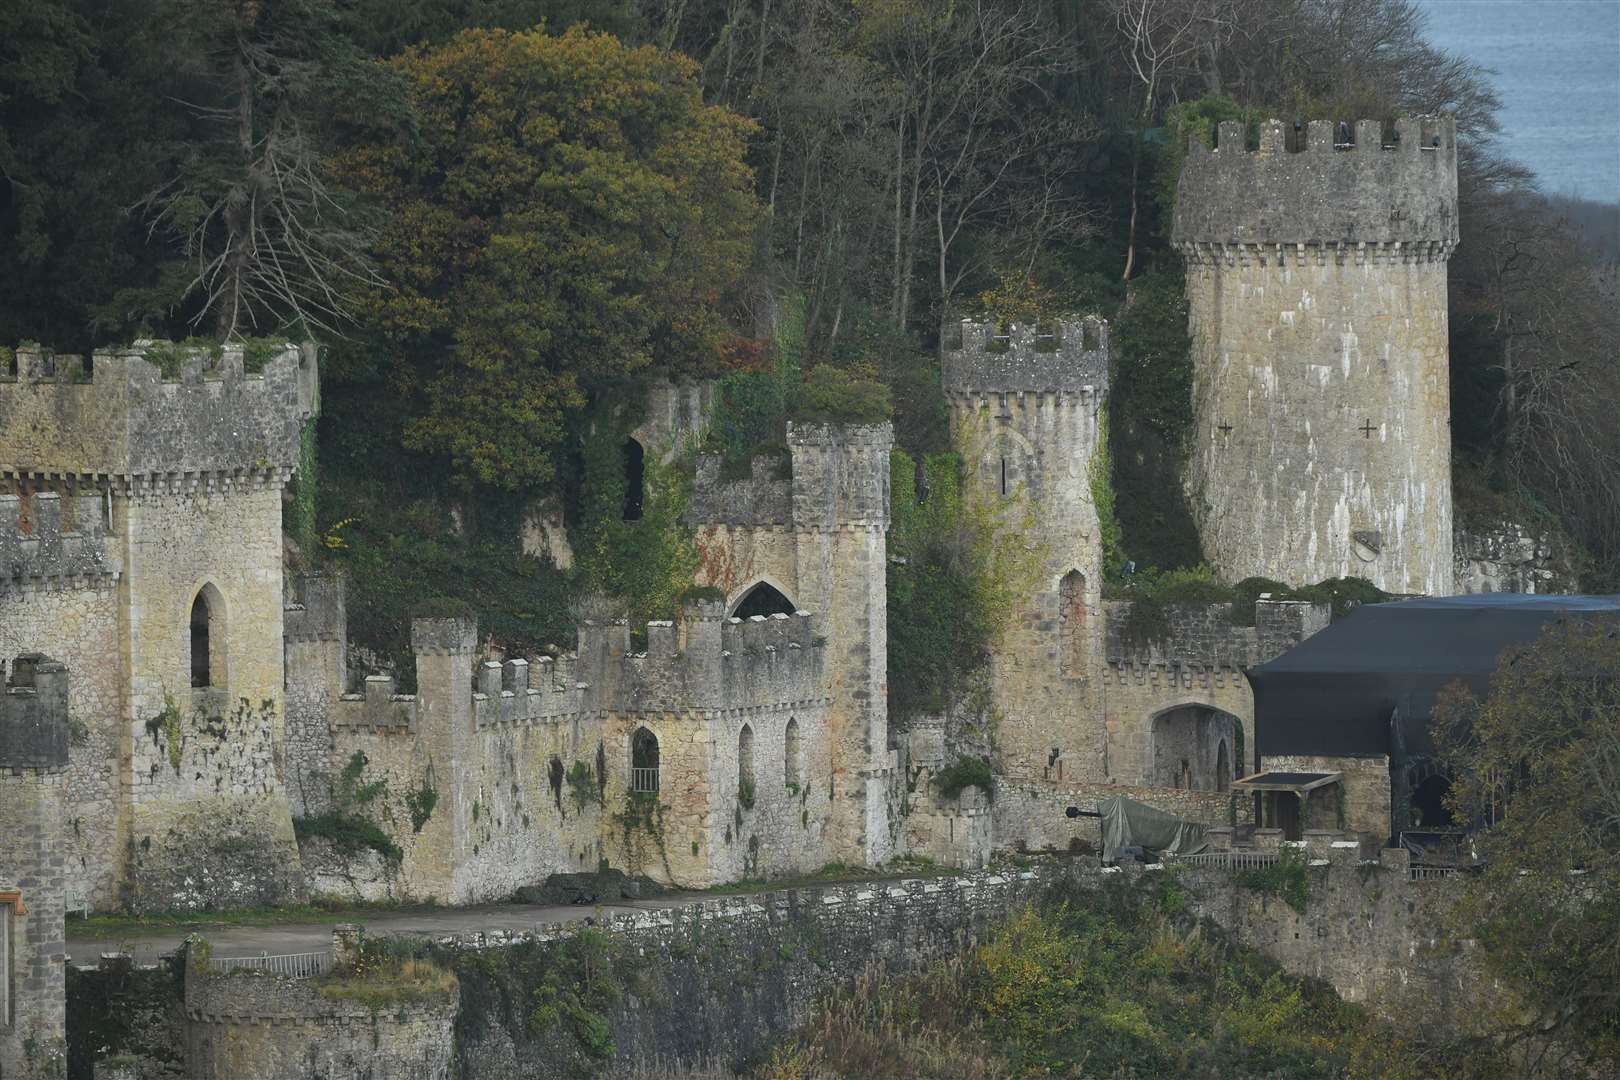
[963, 773]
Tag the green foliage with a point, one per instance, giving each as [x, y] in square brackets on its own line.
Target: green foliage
[745, 792]
[843, 395]
[420, 801]
[348, 833]
[1288, 879]
[966, 772]
[388, 973]
[168, 724]
[639, 821]
[1150, 422]
[966, 563]
[1198, 118]
[1153, 593]
[1100, 478]
[1534, 766]
[576, 989]
[582, 786]
[646, 564]
[570, 211]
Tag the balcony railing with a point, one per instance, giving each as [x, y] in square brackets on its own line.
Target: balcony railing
[644, 781]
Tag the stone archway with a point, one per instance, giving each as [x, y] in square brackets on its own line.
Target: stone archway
[1192, 747]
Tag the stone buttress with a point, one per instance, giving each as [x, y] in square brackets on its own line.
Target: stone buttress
[1316, 282]
[140, 537]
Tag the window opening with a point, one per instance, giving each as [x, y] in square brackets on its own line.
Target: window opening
[644, 762]
[1004, 476]
[202, 674]
[1072, 623]
[745, 766]
[634, 478]
[791, 769]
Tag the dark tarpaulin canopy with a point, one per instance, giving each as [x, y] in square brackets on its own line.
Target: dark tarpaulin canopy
[1335, 693]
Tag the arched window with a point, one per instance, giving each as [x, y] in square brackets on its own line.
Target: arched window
[207, 639]
[1190, 748]
[644, 762]
[763, 599]
[1072, 624]
[745, 766]
[792, 767]
[634, 478]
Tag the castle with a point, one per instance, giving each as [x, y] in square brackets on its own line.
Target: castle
[196, 701]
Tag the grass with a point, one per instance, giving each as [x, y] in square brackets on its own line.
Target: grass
[389, 981]
[834, 874]
[320, 910]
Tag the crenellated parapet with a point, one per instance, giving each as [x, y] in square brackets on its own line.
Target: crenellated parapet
[1067, 359]
[34, 714]
[1331, 193]
[48, 542]
[700, 663]
[834, 476]
[1203, 638]
[156, 416]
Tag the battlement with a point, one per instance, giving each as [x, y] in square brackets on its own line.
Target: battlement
[836, 476]
[700, 662]
[1202, 636]
[318, 613]
[193, 413]
[1069, 356]
[1330, 186]
[34, 714]
[36, 551]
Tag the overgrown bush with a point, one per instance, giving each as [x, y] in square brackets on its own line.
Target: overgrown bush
[964, 773]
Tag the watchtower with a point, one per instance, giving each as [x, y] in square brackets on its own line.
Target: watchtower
[1316, 286]
[1026, 412]
[33, 773]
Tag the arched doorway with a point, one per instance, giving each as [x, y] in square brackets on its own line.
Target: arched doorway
[1190, 748]
[644, 762]
[763, 599]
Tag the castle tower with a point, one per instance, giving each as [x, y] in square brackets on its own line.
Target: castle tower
[1316, 282]
[152, 484]
[33, 773]
[1026, 414]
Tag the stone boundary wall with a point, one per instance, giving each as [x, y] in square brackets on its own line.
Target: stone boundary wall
[1203, 635]
[129, 419]
[250, 1025]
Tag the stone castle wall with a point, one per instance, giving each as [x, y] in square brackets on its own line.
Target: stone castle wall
[1317, 309]
[33, 864]
[1026, 409]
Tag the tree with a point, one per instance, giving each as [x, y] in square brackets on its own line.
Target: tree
[570, 210]
[1536, 766]
[265, 238]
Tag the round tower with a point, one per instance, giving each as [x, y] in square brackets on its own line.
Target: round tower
[33, 870]
[1026, 416]
[1316, 288]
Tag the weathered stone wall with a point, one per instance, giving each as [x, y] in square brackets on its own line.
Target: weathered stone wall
[209, 819]
[1316, 284]
[1368, 930]
[315, 640]
[76, 621]
[251, 1025]
[829, 556]
[1029, 814]
[722, 979]
[33, 865]
[128, 421]
[1511, 558]
[1026, 413]
[122, 1015]
[1199, 666]
[1359, 803]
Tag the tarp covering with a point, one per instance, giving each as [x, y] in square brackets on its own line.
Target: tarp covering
[1336, 692]
[1126, 821]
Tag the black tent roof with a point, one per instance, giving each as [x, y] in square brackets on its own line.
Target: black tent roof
[1334, 693]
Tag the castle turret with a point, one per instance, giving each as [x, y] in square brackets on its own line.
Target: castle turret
[33, 770]
[1316, 283]
[1026, 411]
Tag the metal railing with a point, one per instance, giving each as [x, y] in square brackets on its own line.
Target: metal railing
[644, 781]
[1227, 860]
[292, 965]
[1431, 873]
[75, 898]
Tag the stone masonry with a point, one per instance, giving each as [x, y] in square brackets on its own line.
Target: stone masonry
[1316, 284]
